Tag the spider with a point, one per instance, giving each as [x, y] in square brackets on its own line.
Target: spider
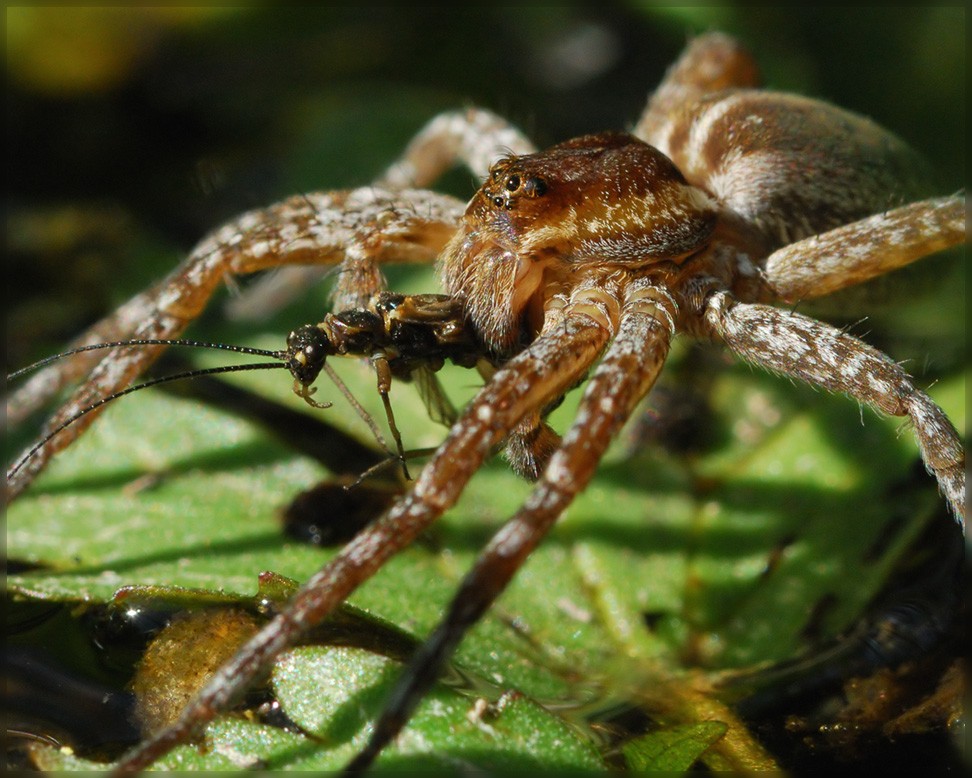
[580, 262]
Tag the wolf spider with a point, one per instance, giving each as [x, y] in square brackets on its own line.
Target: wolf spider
[588, 257]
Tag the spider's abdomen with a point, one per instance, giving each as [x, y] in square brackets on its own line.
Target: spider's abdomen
[541, 219]
[788, 165]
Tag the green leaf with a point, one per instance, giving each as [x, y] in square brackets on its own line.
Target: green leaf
[672, 750]
[665, 564]
[334, 693]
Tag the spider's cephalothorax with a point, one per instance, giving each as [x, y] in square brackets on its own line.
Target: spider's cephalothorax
[582, 261]
[545, 223]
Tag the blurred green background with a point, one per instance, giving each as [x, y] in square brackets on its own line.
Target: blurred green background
[131, 132]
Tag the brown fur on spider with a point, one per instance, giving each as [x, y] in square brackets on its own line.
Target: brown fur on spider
[581, 261]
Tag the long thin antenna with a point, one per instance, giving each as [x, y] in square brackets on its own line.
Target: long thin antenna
[259, 352]
[145, 385]
[285, 362]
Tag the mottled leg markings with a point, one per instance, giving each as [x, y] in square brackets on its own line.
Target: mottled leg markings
[589, 243]
[474, 138]
[868, 248]
[321, 228]
[798, 346]
[42, 386]
[624, 377]
[496, 408]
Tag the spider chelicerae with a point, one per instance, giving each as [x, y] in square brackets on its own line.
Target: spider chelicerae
[580, 262]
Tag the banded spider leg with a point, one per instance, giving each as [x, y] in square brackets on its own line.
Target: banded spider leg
[481, 426]
[356, 229]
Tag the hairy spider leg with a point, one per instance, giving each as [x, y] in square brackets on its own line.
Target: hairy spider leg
[43, 385]
[795, 345]
[864, 249]
[321, 227]
[710, 63]
[622, 379]
[277, 238]
[553, 363]
[474, 138]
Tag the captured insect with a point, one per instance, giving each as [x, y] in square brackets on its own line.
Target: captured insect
[725, 207]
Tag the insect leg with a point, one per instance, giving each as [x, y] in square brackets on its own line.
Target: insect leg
[798, 346]
[380, 363]
[862, 250]
[623, 378]
[552, 363]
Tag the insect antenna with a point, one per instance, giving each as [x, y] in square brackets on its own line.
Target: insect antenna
[146, 342]
[137, 342]
[144, 385]
[286, 360]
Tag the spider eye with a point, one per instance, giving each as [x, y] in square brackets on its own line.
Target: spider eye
[498, 201]
[535, 187]
[513, 183]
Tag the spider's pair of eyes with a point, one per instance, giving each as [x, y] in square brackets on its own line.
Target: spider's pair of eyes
[530, 187]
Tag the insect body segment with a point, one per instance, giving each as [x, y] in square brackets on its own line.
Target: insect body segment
[408, 331]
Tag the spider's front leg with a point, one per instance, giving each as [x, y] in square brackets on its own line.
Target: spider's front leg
[622, 379]
[554, 363]
[320, 228]
[474, 138]
[796, 345]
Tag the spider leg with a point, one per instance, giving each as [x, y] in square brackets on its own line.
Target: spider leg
[864, 249]
[474, 138]
[317, 228]
[531, 443]
[45, 384]
[551, 364]
[710, 63]
[529, 447]
[620, 382]
[796, 345]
